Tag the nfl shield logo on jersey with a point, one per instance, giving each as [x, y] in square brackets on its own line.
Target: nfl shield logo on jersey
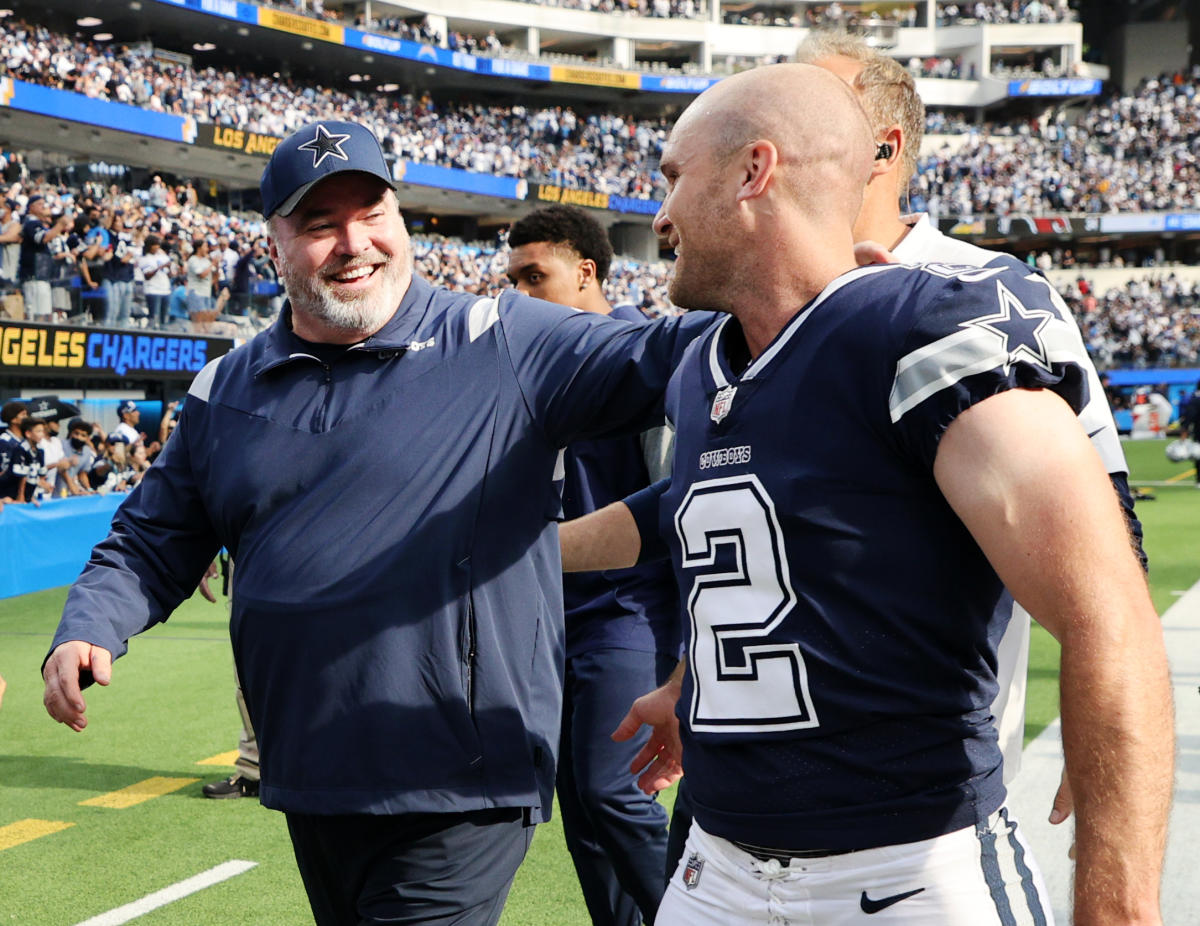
[722, 402]
[691, 871]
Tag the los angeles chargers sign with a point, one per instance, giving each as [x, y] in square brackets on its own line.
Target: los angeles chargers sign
[49, 349]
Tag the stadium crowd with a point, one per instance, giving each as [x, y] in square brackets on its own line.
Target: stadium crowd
[606, 152]
[1127, 153]
[191, 267]
[998, 12]
[835, 13]
[1150, 320]
[1132, 153]
[43, 456]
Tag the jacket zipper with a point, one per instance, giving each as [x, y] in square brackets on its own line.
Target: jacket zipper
[324, 410]
[471, 656]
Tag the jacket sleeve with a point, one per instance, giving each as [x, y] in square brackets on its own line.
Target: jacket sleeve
[155, 554]
[585, 375]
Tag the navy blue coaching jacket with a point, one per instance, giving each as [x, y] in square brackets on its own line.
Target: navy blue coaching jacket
[397, 604]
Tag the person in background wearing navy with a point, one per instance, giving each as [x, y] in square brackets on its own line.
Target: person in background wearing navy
[245, 274]
[623, 632]
[12, 456]
[118, 282]
[840, 561]
[93, 262]
[397, 623]
[36, 266]
[37, 485]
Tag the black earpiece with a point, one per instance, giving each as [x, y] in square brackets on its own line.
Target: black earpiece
[883, 152]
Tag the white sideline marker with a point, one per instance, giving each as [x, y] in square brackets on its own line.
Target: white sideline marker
[131, 911]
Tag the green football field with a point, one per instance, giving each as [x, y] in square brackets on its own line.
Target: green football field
[110, 817]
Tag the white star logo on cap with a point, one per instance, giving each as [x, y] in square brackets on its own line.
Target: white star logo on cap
[324, 145]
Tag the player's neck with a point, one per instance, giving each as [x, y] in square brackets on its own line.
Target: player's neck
[879, 220]
[592, 300]
[771, 307]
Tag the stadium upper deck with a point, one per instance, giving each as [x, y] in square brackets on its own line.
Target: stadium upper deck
[487, 137]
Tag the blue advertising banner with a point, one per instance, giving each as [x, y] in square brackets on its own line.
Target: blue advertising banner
[1182, 221]
[639, 206]
[48, 546]
[227, 9]
[1048, 86]
[451, 178]
[75, 107]
[676, 84]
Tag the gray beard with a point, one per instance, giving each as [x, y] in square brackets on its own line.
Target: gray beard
[365, 312]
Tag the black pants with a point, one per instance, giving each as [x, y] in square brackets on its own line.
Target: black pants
[434, 868]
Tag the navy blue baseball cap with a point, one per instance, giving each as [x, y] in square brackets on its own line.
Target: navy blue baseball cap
[127, 407]
[309, 155]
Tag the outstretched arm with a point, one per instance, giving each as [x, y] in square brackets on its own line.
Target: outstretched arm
[607, 538]
[616, 536]
[1020, 473]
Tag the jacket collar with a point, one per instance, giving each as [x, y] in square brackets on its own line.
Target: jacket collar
[281, 344]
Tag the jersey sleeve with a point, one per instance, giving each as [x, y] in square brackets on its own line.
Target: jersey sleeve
[989, 330]
[157, 549]
[585, 375]
[644, 506]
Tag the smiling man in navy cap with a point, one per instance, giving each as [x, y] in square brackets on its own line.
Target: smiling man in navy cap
[397, 623]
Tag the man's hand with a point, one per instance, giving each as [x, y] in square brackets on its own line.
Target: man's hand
[63, 699]
[659, 764]
[1064, 802]
[872, 252]
[205, 591]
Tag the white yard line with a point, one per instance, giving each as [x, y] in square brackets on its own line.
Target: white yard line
[131, 911]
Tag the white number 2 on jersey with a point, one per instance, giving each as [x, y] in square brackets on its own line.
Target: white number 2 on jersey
[743, 681]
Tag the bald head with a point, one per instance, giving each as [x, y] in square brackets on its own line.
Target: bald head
[812, 118]
[766, 173]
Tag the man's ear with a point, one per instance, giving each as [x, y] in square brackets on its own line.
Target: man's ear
[757, 164]
[889, 151]
[587, 272]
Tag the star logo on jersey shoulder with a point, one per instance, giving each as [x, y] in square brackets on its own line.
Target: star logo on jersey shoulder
[325, 145]
[1020, 329]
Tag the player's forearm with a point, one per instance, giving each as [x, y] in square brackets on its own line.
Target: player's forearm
[604, 539]
[1118, 735]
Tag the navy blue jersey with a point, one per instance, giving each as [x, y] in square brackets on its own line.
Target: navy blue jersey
[12, 465]
[35, 262]
[840, 620]
[633, 608]
[120, 266]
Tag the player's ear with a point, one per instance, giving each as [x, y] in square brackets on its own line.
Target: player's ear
[757, 163]
[888, 151]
